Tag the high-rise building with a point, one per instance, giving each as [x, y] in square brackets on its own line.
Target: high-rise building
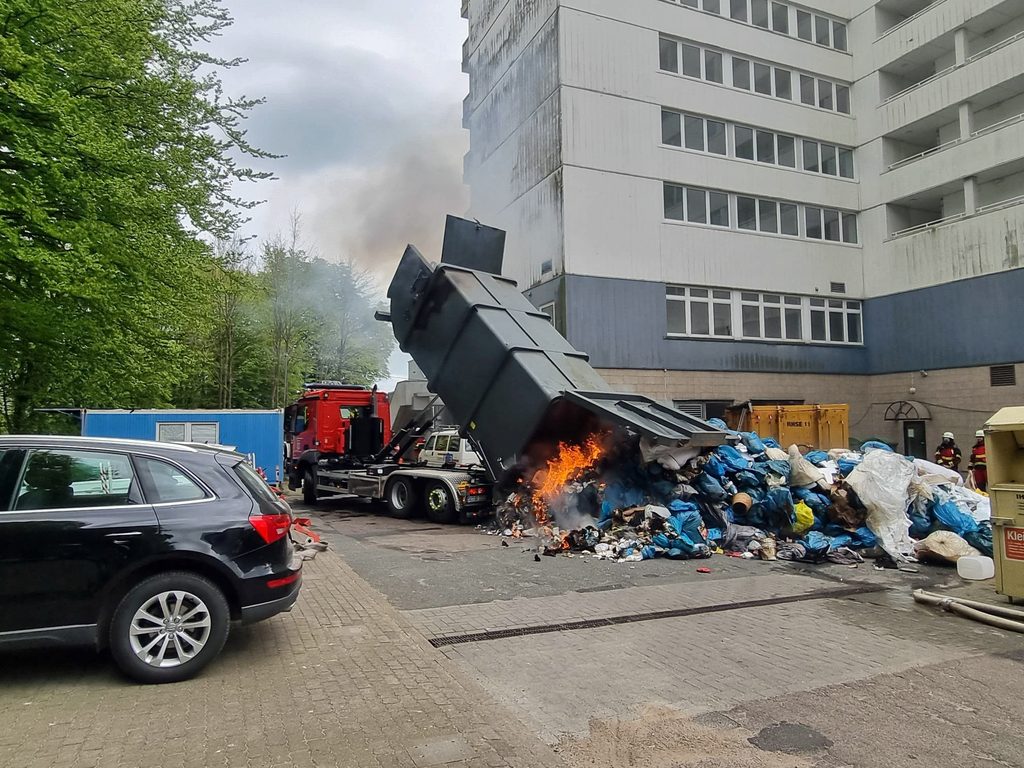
[746, 200]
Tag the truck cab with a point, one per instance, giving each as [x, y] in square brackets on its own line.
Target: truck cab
[336, 426]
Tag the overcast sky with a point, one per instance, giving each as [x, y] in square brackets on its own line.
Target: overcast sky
[364, 97]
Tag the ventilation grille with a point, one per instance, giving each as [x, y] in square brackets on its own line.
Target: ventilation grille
[838, 288]
[690, 408]
[1003, 375]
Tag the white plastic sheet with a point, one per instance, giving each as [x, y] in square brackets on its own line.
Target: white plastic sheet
[802, 473]
[882, 481]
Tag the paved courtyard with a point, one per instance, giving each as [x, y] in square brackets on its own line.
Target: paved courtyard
[420, 645]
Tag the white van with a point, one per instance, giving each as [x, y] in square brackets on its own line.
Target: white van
[446, 448]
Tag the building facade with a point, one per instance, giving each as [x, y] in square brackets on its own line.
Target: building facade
[746, 200]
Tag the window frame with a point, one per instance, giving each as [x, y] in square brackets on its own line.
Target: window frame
[794, 315]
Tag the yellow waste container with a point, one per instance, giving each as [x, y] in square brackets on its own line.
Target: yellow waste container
[1004, 449]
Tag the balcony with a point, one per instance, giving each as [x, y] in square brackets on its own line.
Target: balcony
[934, 26]
[992, 72]
[997, 145]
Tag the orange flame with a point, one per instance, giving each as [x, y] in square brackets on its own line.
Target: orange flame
[569, 464]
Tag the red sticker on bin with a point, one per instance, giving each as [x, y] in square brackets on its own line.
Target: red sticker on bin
[1013, 543]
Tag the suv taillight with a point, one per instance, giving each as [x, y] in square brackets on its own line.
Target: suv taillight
[271, 528]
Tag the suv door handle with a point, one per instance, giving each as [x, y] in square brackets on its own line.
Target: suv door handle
[122, 536]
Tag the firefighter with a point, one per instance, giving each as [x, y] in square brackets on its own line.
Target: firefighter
[978, 466]
[948, 453]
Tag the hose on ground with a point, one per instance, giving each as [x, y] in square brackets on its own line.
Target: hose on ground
[960, 607]
[999, 610]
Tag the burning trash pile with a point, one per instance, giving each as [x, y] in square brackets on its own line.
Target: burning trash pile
[618, 498]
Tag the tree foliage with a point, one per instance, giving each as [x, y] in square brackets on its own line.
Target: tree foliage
[118, 155]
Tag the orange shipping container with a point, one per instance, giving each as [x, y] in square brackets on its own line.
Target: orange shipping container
[809, 426]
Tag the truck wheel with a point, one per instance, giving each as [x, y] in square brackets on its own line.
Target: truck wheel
[440, 504]
[309, 486]
[400, 495]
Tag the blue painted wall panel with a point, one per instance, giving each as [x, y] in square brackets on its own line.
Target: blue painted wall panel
[622, 324]
[973, 322]
[260, 433]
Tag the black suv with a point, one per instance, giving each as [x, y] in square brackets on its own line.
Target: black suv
[150, 549]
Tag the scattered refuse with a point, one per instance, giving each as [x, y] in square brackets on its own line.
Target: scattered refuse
[618, 498]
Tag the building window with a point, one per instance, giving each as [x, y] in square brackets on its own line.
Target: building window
[704, 134]
[708, 64]
[669, 55]
[671, 131]
[822, 30]
[744, 142]
[807, 90]
[828, 224]
[777, 217]
[839, 35]
[780, 18]
[803, 26]
[693, 132]
[696, 206]
[759, 13]
[188, 432]
[775, 16]
[1003, 375]
[698, 312]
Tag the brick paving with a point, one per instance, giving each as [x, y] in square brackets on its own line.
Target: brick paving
[343, 680]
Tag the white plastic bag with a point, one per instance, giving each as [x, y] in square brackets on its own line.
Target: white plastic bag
[944, 546]
[802, 473]
[882, 481]
[927, 468]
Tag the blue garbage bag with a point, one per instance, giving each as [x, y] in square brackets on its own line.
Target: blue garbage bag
[686, 521]
[777, 510]
[842, 540]
[719, 424]
[981, 539]
[746, 480]
[715, 534]
[649, 552]
[753, 442]
[770, 442]
[920, 524]
[846, 466]
[817, 457]
[864, 538]
[709, 488]
[776, 466]
[872, 444]
[950, 517]
[714, 467]
[816, 543]
[733, 460]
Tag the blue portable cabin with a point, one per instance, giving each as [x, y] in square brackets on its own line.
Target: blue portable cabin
[258, 434]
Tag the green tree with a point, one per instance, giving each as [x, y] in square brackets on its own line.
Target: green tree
[118, 150]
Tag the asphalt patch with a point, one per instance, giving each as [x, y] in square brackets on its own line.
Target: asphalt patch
[790, 739]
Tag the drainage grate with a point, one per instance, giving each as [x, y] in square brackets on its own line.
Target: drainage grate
[570, 626]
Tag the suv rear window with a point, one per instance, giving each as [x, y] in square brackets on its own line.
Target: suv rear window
[165, 483]
[255, 484]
